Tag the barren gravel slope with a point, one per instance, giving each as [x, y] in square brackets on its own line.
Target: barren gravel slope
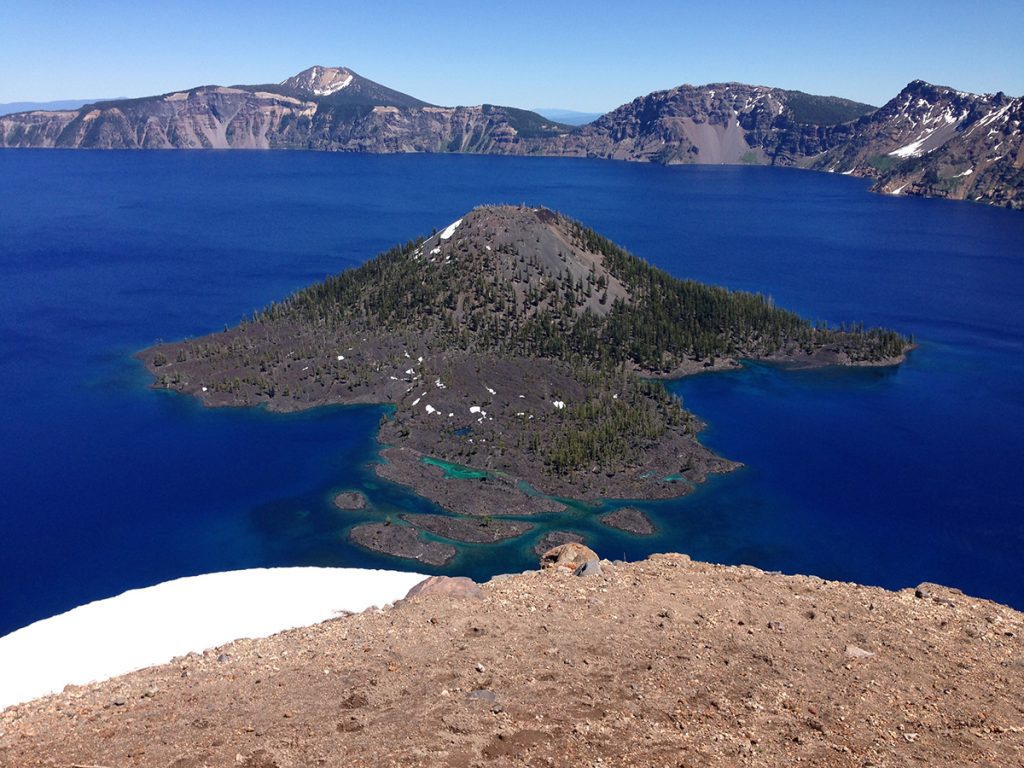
[662, 662]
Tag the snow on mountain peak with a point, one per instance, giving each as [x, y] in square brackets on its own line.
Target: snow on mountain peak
[320, 81]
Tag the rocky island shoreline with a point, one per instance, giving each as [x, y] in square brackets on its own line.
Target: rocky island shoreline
[517, 351]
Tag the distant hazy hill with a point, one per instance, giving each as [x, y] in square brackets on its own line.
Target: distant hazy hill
[568, 116]
[929, 140]
[30, 106]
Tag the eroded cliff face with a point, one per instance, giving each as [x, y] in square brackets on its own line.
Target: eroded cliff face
[225, 118]
[325, 108]
[210, 118]
[422, 129]
[34, 129]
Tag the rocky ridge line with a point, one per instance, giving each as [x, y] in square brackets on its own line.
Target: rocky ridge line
[928, 141]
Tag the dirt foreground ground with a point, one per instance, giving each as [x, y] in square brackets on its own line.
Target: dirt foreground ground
[665, 662]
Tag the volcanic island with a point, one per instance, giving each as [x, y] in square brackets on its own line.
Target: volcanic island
[520, 355]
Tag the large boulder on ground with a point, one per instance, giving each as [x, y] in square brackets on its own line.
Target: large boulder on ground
[571, 556]
[453, 586]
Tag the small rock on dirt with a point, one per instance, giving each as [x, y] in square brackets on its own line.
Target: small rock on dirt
[853, 652]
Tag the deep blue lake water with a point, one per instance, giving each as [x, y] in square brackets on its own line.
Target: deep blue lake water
[888, 477]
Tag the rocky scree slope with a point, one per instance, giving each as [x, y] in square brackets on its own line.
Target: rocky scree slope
[661, 662]
[716, 123]
[512, 342]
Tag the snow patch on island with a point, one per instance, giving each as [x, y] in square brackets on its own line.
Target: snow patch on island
[151, 626]
[450, 229]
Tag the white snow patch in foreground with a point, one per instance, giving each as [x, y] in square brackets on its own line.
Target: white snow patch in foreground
[450, 229]
[968, 172]
[151, 626]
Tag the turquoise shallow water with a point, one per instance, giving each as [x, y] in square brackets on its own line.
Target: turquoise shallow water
[886, 476]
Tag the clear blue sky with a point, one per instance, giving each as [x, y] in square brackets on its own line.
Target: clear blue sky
[590, 56]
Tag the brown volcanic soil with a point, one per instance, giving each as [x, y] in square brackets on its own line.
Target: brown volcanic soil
[663, 662]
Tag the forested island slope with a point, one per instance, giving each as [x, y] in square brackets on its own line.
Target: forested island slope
[519, 345]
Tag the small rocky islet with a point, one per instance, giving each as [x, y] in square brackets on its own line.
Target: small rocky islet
[518, 352]
[630, 520]
[402, 541]
[350, 501]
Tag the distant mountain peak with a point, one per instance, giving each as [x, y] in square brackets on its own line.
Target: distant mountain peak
[320, 81]
[926, 90]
